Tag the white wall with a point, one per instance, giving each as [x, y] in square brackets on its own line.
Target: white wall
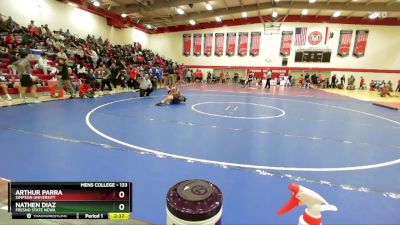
[382, 50]
[128, 36]
[60, 15]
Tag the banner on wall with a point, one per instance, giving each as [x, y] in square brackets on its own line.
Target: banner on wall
[197, 44]
[344, 42]
[219, 44]
[360, 43]
[208, 38]
[286, 43]
[255, 43]
[300, 36]
[187, 44]
[242, 43]
[261, 73]
[230, 43]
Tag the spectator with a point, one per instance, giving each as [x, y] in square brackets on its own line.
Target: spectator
[145, 86]
[85, 90]
[342, 80]
[42, 64]
[362, 83]
[350, 83]
[61, 55]
[398, 86]
[235, 78]
[188, 76]
[4, 85]
[334, 81]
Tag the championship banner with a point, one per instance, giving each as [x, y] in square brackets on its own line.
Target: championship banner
[219, 44]
[286, 43]
[197, 44]
[187, 44]
[344, 42]
[208, 38]
[255, 43]
[242, 43]
[230, 44]
[360, 43]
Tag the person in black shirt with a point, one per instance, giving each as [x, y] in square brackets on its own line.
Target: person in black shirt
[334, 81]
[64, 78]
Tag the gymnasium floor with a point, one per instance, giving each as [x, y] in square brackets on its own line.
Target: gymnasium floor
[251, 143]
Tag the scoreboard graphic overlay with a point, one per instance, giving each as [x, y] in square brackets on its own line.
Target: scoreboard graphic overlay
[70, 200]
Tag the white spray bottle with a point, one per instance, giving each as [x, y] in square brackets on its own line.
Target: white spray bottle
[314, 202]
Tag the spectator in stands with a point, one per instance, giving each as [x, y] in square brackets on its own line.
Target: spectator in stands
[145, 86]
[3, 27]
[4, 85]
[61, 55]
[42, 64]
[64, 78]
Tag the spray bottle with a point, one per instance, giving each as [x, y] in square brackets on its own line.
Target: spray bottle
[314, 202]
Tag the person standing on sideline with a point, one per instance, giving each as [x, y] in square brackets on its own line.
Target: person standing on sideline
[398, 86]
[170, 79]
[188, 76]
[342, 80]
[269, 76]
[64, 78]
[249, 79]
[235, 78]
[334, 81]
[145, 86]
[362, 83]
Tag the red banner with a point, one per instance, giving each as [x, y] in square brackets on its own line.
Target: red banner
[230, 44]
[261, 73]
[242, 43]
[344, 42]
[219, 44]
[360, 43]
[208, 38]
[286, 43]
[187, 44]
[197, 44]
[255, 43]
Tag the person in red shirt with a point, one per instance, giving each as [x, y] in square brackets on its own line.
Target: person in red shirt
[85, 91]
[222, 77]
[139, 59]
[132, 83]
[180, 76]
[362, 83]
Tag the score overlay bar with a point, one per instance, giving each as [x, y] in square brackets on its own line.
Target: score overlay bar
[77, 200]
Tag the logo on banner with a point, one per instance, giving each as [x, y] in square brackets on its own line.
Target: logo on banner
[315, 38]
